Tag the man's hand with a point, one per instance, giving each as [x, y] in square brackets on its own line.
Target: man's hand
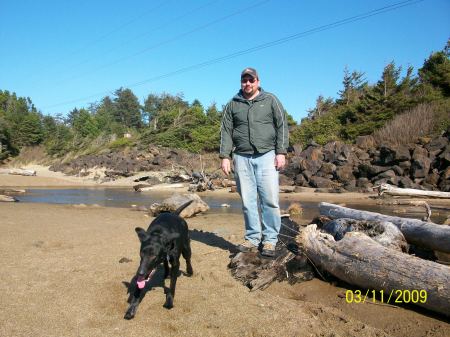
[280, 161]
[226, 166]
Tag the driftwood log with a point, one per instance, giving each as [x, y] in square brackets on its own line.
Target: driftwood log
[143, 187]
[287, 189]
[416, 203]
[21, 172]
[175, 201]
[383, 232]
[256, 272]
[11, 191]
[418, 232]
[7, 198]
[359, 260]
[410, 192]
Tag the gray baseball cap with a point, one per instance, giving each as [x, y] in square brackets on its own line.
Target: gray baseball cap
[249, 71]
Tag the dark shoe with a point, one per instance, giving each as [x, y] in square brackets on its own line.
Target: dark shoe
[246, 247]
[268, 250]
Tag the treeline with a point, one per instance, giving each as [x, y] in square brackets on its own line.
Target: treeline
[168, 120]
[363, 108]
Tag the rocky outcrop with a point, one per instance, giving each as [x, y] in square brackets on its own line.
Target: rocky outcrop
[111, 165]
[358, 167]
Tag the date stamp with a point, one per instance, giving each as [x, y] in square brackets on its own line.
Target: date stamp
[395, 296]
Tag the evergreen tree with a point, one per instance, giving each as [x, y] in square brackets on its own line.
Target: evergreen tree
[127, 109]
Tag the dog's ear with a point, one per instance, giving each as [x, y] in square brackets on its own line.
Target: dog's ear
[142, 234]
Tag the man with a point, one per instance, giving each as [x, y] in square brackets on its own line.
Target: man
[254, 129]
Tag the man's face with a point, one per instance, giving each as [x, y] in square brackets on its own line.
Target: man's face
[249, 85]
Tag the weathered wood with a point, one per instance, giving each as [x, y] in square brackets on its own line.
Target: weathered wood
[417, 203]
[22, 172]
[418, 232]
[410, 192]
[9, 191]
[7, 198]
[360, 261]
[287, 189]
[175, 201]
[383, 232]
[142, 188]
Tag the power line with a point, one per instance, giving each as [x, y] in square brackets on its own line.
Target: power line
[286, 39]
[106, 35]
[172, 39]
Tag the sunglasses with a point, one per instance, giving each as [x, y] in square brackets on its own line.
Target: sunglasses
[245, 80]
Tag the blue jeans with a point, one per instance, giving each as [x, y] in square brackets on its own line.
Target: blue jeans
[258, 186]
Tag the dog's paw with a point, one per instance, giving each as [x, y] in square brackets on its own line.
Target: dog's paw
[169, 302]
[130, 313]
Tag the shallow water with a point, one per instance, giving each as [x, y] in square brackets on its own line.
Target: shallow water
[126, 197]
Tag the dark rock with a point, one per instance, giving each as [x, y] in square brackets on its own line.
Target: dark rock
[345, 174]
[419, 152]
[327, 169]
[312, 153]
[320, 182]
[300, 180]
[307, 174]
[363, 182]
[389, 174]
[398, 170]
[420, 166]
[437, 145]
[432, 178]
[362, 155]
[405, 182]
[310, 165]
[393, 154]
[285, 180]
[369, 171]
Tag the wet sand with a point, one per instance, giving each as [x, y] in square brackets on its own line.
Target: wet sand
[61, 276]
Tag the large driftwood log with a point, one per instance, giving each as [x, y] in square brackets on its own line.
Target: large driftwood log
[410, 192]
[383, 232]
[143, 188]
[359, 260]
[175, 201]
[418, 232]
[11, 191]
[21, 172]
[7, 198]
[416, 203]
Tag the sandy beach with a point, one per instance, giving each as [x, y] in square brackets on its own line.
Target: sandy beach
[61, 276]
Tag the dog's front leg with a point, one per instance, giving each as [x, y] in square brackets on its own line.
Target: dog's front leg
[175, 267]
[166, 268]
[135, 300]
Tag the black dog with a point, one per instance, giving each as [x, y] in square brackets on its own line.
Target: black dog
[165, 240]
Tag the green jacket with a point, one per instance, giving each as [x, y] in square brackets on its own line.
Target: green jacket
[255, 126]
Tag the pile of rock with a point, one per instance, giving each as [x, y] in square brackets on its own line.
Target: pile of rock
[123, 163]
[336, 165]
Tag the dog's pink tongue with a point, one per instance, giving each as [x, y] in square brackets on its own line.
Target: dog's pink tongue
[141, 284]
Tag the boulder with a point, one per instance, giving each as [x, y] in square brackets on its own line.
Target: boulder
[177, 200]
[420, 166]
[437, 145]
[320, 182]
[345, 174]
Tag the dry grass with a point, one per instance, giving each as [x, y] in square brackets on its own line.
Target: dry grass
[406, 128]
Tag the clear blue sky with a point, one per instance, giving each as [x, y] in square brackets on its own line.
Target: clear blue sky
[80, 51]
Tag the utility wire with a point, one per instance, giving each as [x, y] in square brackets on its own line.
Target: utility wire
[286, 39]
[172, 39]
[106, 35]
[164, 25]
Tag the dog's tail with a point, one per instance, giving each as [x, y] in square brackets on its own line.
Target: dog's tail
[180, 209]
